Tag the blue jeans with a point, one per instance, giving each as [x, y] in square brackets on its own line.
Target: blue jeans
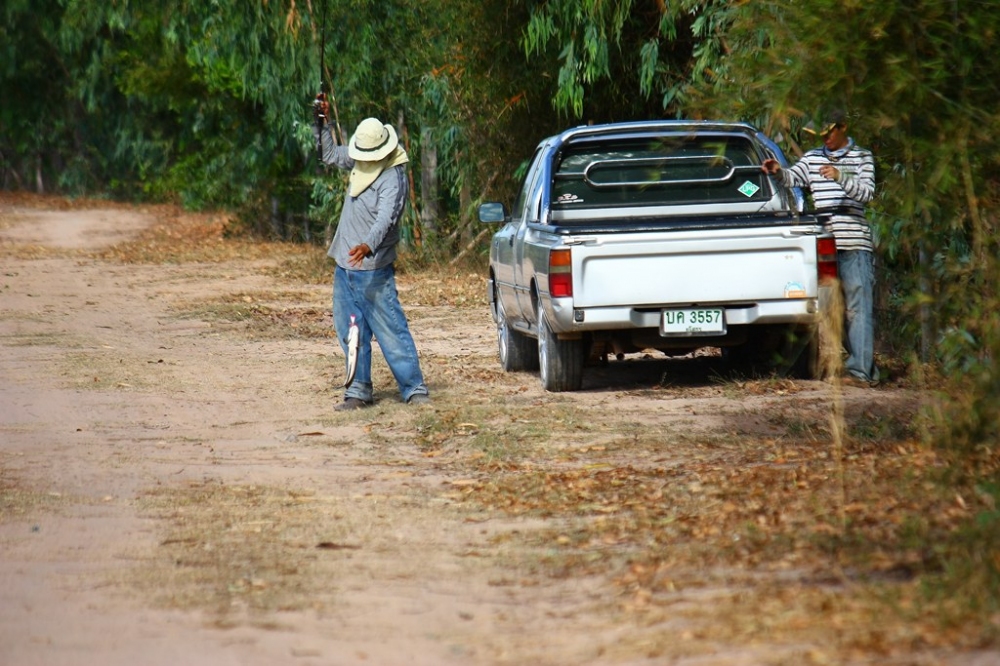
[372, 298]
[857, 277]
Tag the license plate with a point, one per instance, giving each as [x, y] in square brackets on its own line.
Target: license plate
[693, 321]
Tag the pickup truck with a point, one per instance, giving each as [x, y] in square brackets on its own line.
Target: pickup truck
[662, 235]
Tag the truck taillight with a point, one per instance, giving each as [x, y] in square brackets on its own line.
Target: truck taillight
[826, 259]
[560, 273]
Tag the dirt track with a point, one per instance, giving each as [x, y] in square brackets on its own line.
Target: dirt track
[176, 490]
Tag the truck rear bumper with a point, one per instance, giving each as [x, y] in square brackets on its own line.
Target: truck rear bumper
[567, 319]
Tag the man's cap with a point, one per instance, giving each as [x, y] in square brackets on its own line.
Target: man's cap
[830, 120]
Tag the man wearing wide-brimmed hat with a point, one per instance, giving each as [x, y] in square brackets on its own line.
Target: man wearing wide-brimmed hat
[364, 249]
[841, 177]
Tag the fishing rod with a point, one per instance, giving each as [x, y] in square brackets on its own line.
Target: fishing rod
[319, 113]
[318, 104]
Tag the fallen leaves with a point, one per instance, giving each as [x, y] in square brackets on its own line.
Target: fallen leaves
[654, 528]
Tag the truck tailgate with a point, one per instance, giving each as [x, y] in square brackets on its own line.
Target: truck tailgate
[720, 266]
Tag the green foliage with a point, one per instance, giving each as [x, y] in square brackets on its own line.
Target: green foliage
[919, 82]
[168, 97]
[478, 97]
[904, 73]
[207, 104]
[36, 119]
[613, 58]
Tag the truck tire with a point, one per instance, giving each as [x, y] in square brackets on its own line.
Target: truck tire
[518, 352]
[800, 356]
[560, 361]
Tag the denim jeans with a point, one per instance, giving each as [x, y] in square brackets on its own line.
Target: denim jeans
[857, 277]
[372, 298]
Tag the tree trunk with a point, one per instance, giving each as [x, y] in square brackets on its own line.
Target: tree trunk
[927, 324]
[465, 210]
[10, 172]
[430, 211]
[414, 220]
[39, 181]
[277, 224]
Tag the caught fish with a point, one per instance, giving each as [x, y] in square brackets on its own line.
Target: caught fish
[353, 338]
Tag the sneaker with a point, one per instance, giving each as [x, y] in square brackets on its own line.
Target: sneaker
[419, 399]
[351, 404]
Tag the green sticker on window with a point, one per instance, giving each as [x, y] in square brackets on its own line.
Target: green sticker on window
[748, 189]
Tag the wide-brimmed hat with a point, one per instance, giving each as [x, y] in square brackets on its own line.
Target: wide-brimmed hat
[372, 141]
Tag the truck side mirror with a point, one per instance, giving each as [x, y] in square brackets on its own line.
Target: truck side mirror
[492, 212]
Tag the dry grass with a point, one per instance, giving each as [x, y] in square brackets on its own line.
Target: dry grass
[760, 524]
[18, 501]
[234, 550]
[47, 339]
[107, 369]
[258, 318]
[20, 252]
[242, 553]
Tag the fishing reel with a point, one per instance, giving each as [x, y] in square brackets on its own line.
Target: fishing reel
[320, 107]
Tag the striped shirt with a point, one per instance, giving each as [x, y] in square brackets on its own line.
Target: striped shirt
[843, 199]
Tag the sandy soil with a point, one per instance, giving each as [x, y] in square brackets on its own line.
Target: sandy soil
[121, 413]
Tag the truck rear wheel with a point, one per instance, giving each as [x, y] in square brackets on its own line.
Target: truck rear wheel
[801, 354]
[560, 361]
[518, 352]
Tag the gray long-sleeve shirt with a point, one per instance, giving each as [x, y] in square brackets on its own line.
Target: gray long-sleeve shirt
[372, 217]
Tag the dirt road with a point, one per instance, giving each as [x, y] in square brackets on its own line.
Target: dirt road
[174, 487]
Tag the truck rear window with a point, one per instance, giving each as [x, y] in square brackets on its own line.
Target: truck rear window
[669, 170]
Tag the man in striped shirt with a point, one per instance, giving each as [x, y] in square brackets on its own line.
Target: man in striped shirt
[841, 178]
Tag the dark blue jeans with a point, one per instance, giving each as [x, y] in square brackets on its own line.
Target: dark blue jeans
[372, 298]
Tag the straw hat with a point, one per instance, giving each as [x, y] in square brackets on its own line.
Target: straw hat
[372, 141]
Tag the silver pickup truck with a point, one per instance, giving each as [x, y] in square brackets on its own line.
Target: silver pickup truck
[662, 235]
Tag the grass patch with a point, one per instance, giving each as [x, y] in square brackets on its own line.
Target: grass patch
[742, 508]
[39, 340]
[18, 503]
[178, 237]
[23, 252]
[444, 287]
[509, 432]
[241, 553]
[242, 550]
[265, 315]
[108, 370]
[302, 264]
